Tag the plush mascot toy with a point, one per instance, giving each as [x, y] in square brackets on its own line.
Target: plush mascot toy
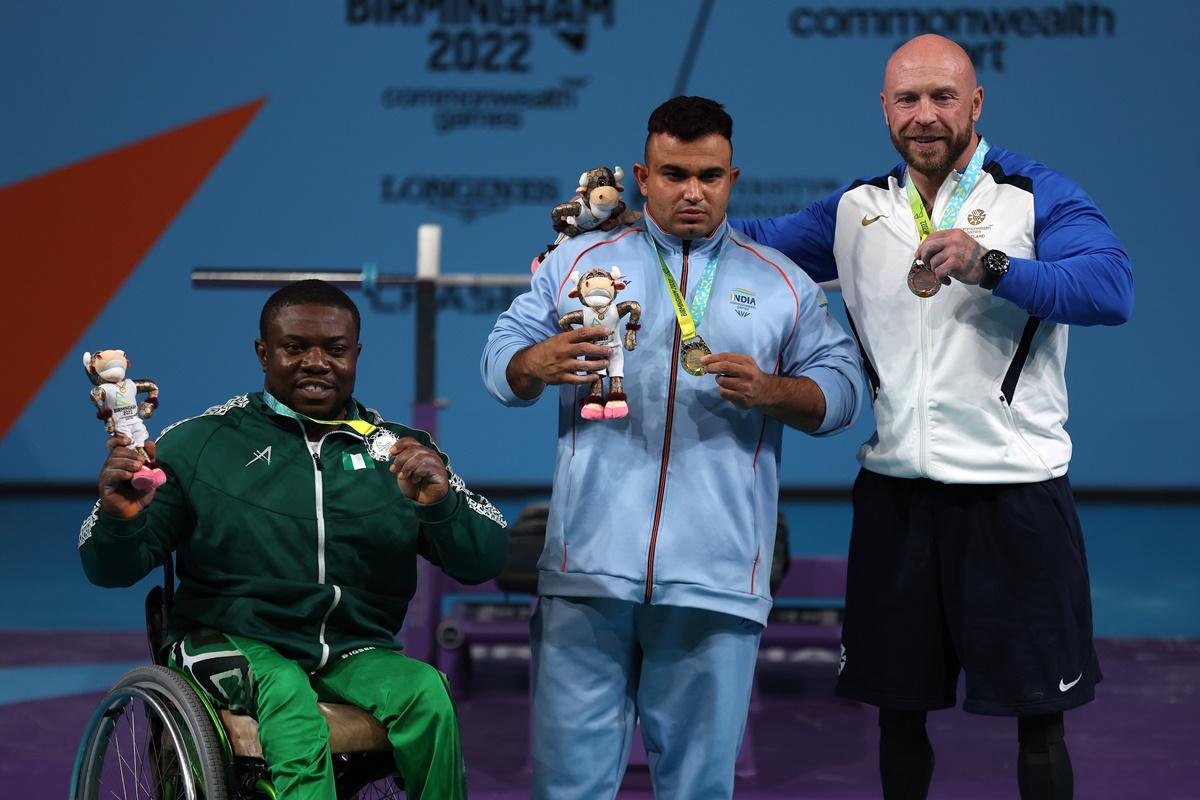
[596, 200]
[117, 405]
[597, 290]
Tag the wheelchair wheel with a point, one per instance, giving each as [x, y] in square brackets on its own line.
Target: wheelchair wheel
[382, 789]
[152, 739]
[368, 775]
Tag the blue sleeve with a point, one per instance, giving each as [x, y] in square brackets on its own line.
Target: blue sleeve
[532, 318]
[806, 237]
[1082, 275]
[821, 351]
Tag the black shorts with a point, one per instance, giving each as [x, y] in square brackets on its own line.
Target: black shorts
[989, 579]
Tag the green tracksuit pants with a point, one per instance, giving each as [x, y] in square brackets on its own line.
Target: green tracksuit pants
[409, 697]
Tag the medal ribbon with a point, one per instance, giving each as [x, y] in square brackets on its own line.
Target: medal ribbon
[359, 426]
[689, 319]
[969, 178]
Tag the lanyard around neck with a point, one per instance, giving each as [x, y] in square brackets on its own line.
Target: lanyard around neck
[965, 184]
[689, 319]
[359, 426]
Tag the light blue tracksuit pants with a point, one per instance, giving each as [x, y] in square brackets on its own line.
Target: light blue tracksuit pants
[599, 665]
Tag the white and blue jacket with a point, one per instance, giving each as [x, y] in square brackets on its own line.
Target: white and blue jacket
[969, 385]
[676, 503]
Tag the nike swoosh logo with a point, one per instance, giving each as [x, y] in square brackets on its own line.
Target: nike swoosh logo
[869, 220]
[1062, 687]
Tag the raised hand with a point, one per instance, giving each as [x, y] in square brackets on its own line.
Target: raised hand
[557, 361]
[117, 495]
[796, 401]
[419, 471]
[951, 253]
[739, 380]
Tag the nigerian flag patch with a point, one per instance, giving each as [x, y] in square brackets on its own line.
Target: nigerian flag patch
[352, 461]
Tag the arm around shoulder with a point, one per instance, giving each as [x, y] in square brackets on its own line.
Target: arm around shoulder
[806, 236]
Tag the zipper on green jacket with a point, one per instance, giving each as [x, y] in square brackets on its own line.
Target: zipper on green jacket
[314, 448]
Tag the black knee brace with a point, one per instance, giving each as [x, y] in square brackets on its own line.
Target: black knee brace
[905, 755]
[1043, 764]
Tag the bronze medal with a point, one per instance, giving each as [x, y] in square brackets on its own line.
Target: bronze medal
[922, 280]
[690, 354]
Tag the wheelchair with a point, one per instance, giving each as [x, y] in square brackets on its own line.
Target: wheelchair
[155, 736]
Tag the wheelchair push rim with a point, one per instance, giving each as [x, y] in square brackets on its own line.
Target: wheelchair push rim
[149, 738]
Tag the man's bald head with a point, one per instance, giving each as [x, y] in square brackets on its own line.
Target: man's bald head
[930, 52]
[931, 101]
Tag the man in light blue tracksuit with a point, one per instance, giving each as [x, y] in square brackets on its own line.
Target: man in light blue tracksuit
[654, 578]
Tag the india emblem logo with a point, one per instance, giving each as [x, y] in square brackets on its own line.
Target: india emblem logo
[743, 301]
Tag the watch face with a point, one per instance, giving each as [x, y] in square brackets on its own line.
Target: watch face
[995, 265]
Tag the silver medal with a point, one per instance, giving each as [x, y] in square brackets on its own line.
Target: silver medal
[380, 443]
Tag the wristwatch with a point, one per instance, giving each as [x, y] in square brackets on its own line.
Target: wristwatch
[995, 267]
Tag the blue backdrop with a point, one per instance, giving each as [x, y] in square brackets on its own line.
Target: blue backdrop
[479, 116]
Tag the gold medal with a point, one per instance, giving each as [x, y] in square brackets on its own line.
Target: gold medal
[922, 280]
[690, 354]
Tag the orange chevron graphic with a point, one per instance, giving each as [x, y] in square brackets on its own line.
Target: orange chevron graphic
[86, 226]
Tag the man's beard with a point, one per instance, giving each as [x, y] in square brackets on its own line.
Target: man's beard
[931, 164]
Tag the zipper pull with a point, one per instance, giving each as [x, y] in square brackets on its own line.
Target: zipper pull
[317, 461]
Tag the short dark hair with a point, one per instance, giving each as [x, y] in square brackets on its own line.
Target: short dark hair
[690, 118]
[304, 293]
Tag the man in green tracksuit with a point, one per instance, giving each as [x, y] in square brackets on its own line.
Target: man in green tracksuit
[296, 550]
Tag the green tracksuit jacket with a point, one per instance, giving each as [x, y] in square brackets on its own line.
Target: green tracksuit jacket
[311, 553]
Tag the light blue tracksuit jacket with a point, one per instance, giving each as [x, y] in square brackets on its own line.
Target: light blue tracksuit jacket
[676, 503]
